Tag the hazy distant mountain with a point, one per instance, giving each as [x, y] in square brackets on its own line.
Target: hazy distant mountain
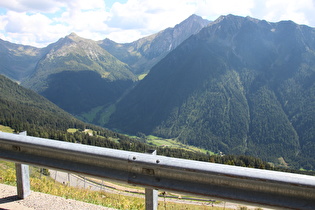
[142, 54]
[78, 75]
[240, 85]
[83, 78]
[18, 61]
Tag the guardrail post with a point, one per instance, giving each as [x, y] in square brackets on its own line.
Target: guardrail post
[151, 195]
[22, 178]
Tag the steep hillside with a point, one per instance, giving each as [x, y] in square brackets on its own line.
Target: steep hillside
[23, 109]
[78, 75]
[241, 86]
[18, 61]
[144, 53]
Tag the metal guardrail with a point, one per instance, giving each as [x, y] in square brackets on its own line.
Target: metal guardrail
[230, 183]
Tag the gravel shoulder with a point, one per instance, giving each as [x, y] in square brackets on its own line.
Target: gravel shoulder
[40, 201]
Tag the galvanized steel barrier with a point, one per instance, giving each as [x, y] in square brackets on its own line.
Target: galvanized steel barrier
[223, 182]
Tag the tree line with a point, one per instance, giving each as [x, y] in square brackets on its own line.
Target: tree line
[23, 110]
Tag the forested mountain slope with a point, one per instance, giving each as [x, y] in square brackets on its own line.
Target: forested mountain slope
[23, 109]
[241, 86]
[144, 53]
[78, 75]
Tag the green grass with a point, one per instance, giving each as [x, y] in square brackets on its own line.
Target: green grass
[100, 114]
[72, 130]
[45, 184]
[6, 129]
[91, 133]
[88, 131]
[163, 142]
[91, 115]
[160, 142]
[141, 76]
[173, 143]
[151, 137]
[104, 118]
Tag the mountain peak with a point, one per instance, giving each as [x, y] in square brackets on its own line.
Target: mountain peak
[228, 17]
[73, 36]
[193, 19]
[143, 54]
[235, 19]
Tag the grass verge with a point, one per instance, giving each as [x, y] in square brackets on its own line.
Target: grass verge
[6, 129]
[45, 184]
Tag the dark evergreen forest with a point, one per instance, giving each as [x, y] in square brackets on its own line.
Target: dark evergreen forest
[24, 110]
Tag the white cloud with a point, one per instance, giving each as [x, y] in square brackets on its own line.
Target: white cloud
[41, 22]
[32, 5]
[298, 11]
[34, 29]
[213, 9]
[51, 6]
[147, 17]
[125, 36]
[84, 20]
[24, 25]
[150, 14]
[85, 5]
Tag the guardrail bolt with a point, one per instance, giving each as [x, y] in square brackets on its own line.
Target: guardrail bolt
[16, 148]
[134, 158]
[157, 161]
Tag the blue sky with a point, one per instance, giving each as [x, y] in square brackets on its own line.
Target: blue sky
[41, 22]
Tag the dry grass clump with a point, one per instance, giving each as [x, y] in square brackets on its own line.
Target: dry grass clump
[45, 184]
